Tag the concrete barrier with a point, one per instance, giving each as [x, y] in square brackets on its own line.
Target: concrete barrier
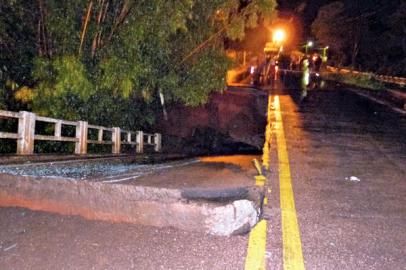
[225, 211]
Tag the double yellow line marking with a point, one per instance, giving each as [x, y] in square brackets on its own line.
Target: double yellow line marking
[292, 247]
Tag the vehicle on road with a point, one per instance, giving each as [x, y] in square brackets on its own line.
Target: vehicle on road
[264, 74]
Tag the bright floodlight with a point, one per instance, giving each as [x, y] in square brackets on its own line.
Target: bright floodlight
[279, 35]
[310, 43]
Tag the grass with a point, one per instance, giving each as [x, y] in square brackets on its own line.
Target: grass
[366, 81]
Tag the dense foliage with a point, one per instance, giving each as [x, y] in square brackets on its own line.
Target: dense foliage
[367, 35]
[108, 61]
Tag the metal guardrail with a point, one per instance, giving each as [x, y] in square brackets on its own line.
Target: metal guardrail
[383, 78]
[397, 94]
[26, 136]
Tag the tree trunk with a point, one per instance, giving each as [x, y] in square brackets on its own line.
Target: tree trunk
[100, 18]
[354, 54]
[85, 23]
[42, 33]
[40, 52]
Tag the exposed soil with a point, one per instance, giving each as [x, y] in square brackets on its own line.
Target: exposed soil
[231, 122]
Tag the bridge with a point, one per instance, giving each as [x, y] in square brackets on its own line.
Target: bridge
[84, 184]
[336, 171]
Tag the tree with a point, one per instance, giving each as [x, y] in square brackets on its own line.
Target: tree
[351, 27]
[328, 30]
[395, 41]
[90, 56]
[343, 26]
[17, 48]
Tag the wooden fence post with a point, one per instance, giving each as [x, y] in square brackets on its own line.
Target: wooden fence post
[100, 135]
[58, 129]
[26, 133]
[140, 142]
[158, 142]
[129, 137]
[81, 135]
[116, 138]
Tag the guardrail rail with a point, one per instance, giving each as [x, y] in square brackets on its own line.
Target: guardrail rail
[26, 135]
[382, 78]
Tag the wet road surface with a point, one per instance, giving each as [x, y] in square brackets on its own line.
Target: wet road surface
[347, 161]
[348, 169]
[38, 240]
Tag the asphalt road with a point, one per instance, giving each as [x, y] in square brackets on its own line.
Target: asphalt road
[348, 168]
[347, 161]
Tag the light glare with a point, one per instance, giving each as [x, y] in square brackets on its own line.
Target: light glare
[279, 35]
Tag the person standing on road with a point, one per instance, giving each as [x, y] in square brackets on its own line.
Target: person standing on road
[317, 63]
[305, 77]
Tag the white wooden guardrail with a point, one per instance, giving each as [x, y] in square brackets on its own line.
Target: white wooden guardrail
[26, 136]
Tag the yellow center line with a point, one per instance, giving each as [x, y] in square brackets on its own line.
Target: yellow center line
[255, 259]
[292, 245]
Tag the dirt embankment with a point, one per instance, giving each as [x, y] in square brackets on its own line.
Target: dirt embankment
[232, 121]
